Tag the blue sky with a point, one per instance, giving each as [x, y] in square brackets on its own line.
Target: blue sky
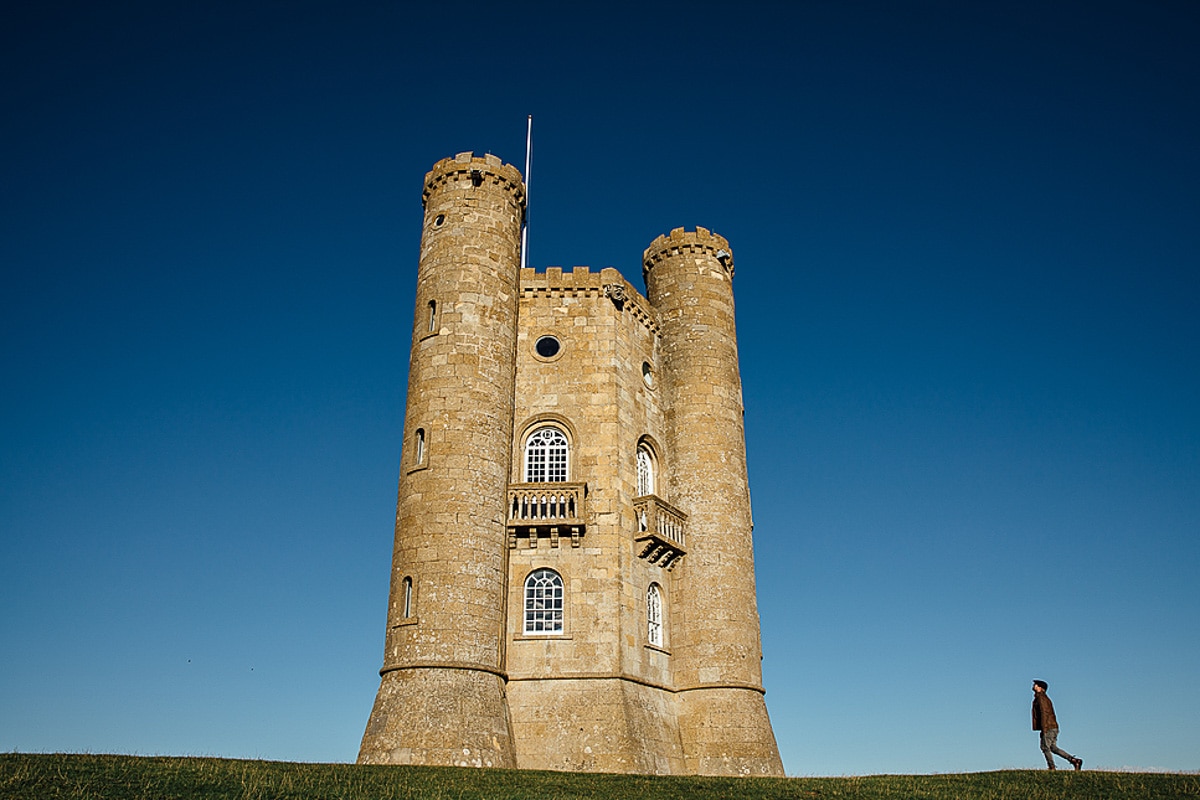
[967, 243]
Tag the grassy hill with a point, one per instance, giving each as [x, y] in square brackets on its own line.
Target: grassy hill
[90, 777]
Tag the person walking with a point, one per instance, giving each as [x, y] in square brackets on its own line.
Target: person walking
[1045, 721]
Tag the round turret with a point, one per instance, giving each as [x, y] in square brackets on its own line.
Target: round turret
[701, 242]
[716, 651]
[442, 696]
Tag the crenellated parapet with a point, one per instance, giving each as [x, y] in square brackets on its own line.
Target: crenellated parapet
[470, 170]
[701, 241]
[556, 282]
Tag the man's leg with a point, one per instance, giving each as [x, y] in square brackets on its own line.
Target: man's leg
[1047, 740]
[1050, 745]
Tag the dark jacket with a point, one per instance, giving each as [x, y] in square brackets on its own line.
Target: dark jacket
[1043, 713]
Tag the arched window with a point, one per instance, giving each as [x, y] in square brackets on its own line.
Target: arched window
[544, 602]
[432, 316]
[419, 447]
[546, 456]
[654, 615]
[645, 470]
[408, 598]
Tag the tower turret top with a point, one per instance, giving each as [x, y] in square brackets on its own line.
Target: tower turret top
[701, 241]
[475, 170]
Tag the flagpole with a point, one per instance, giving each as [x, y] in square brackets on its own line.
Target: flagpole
[525, 225]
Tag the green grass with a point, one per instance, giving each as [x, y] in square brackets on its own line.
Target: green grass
[90, 777]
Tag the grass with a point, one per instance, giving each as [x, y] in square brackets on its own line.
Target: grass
[96, 777]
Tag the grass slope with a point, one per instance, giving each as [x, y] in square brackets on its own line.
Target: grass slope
[90, 777]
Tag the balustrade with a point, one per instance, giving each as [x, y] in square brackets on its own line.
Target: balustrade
[546, 509]
[661, 530]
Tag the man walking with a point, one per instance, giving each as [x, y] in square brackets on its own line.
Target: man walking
[1045, 721]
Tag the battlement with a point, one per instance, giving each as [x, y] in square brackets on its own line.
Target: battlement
[582, 282]
[469, 168]
[701, 241]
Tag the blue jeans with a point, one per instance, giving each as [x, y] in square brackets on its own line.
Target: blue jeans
[1050, 747]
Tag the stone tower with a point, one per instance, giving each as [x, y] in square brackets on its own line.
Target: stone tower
[573, 577]
[718, 672]
[441, 699]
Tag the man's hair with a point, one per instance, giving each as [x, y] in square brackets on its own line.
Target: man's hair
[1042, 684]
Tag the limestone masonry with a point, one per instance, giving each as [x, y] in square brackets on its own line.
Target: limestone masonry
[573, 571]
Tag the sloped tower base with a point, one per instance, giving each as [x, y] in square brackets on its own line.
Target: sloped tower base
[443, 717]
[595, 725]
[727, 732]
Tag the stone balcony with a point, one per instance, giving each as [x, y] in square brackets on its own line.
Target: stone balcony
[661, 531]
[546, 511]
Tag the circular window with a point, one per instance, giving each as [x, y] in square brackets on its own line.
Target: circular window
[547, 347]
[647, 374]
[437, 222]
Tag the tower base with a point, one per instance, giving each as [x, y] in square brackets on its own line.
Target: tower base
[726, 731]
[439, 716]
[595, 725]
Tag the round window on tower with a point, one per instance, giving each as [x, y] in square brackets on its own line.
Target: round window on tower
[547, 347]
[438, 220]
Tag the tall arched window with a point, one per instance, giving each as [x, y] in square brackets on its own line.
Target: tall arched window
[544, 602]
[645, 470]
[546, 456]
[654, 615]
[408, 598]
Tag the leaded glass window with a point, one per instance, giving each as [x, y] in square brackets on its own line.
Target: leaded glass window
[645, 471]
[546, 454]
[543, 602]
[654, 616]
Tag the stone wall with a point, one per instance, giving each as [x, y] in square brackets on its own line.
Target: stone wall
[579, 700]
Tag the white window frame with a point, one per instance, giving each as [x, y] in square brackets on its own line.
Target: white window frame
[654, 615]
[645, 470]
[545, 604]
[547, 456]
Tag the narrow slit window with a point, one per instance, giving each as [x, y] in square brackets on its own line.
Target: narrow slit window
[432, 315]
[419, 447]
[408, 597]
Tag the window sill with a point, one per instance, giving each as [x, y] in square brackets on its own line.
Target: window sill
[659, 649]
[533, 637]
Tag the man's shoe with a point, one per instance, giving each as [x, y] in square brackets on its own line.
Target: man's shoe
[1077, 763]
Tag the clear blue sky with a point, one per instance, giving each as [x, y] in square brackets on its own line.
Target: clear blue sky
[967, 238]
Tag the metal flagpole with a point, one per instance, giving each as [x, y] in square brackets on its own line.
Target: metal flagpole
[525, 226]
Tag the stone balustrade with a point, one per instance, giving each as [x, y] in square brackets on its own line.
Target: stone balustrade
[546, 510]
[661, 530]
